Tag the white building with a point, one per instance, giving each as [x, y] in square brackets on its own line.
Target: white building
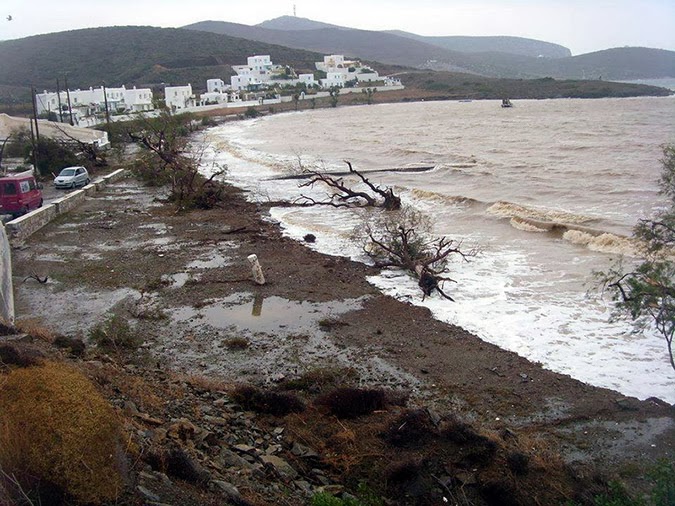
[92, 101]
[392, 81]
[368, 76]
[332, 63]
[307, 79]
[215, 85]
[213, 97]
[333, 79]
[179, 97]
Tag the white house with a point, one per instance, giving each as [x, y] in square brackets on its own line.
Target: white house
[179, 97]
[138, 99]
[92, 101]
[368, 76]
[215, 85]
[213, 97]
[332, 63]
[307, 79]
[334, 79]
[392, 81]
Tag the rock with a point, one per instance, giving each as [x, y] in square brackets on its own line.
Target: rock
[148, 419]
[228, 458]
[627, 404]
[244, 448]
[331, 489]
[130, 408]
[282, 467]
[147, 494]
[229, 491]
[303, 485]
[183, 429]
[300, 450]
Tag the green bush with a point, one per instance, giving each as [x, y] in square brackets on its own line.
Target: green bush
[115, 333]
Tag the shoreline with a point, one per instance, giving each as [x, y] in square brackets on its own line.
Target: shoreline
[184, 282]
[456, 370]
[615, 377]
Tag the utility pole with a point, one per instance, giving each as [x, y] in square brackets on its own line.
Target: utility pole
[107, 111]
[35, 156]
[58, 98]
[35, 116]
[70, 107]
[295, 14]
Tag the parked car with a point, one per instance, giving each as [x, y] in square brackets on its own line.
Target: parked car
[19, 194]
[70, 177]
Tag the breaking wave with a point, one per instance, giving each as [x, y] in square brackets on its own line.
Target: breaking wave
[604, 243]
[503, 209]
[441, 198]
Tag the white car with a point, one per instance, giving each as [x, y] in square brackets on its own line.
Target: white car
[70, 177]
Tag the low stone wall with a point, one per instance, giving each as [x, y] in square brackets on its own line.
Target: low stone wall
[65, 204]
[23, 226]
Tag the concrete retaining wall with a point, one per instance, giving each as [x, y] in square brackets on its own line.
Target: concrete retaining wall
[23, 226]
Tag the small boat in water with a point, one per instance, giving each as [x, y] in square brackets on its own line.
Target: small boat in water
[506, 103]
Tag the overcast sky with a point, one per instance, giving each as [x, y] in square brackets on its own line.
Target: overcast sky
[581, 25]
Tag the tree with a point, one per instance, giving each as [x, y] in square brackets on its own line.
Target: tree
[646, 293]
[403, 239]
[344, 195]
[334, 95]
[169, 158]
[369, 92]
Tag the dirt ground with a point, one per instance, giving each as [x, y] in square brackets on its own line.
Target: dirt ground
[184, 282]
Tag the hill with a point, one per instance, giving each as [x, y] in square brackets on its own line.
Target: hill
[132, 55]
[507, 57]
[295, 23]
[512, 45]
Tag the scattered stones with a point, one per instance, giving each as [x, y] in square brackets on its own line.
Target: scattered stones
[282, 467]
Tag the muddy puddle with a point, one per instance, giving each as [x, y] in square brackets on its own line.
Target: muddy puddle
[76, 311]
[276, 338]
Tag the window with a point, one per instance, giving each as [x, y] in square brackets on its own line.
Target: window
[9, 189]
[25, 187]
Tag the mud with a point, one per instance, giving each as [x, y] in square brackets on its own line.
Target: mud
[183, 282]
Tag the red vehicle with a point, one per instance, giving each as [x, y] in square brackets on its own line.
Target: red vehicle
[19, 194]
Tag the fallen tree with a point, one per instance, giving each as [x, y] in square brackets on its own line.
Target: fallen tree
[342, 194]
[403, 239]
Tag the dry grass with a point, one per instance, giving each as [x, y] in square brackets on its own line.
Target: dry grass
[34, 328]
[206, 384]
[57, 429]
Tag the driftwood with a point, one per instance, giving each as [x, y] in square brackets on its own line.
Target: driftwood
[345, 196]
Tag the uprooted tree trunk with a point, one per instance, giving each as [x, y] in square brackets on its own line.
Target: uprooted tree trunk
[404, 241]
[344, 195]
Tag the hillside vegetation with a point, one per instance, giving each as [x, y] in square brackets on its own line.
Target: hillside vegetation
[148, 56]
[453, 86]
[131, 55]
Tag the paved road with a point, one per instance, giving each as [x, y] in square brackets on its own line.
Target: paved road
[49, 193]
